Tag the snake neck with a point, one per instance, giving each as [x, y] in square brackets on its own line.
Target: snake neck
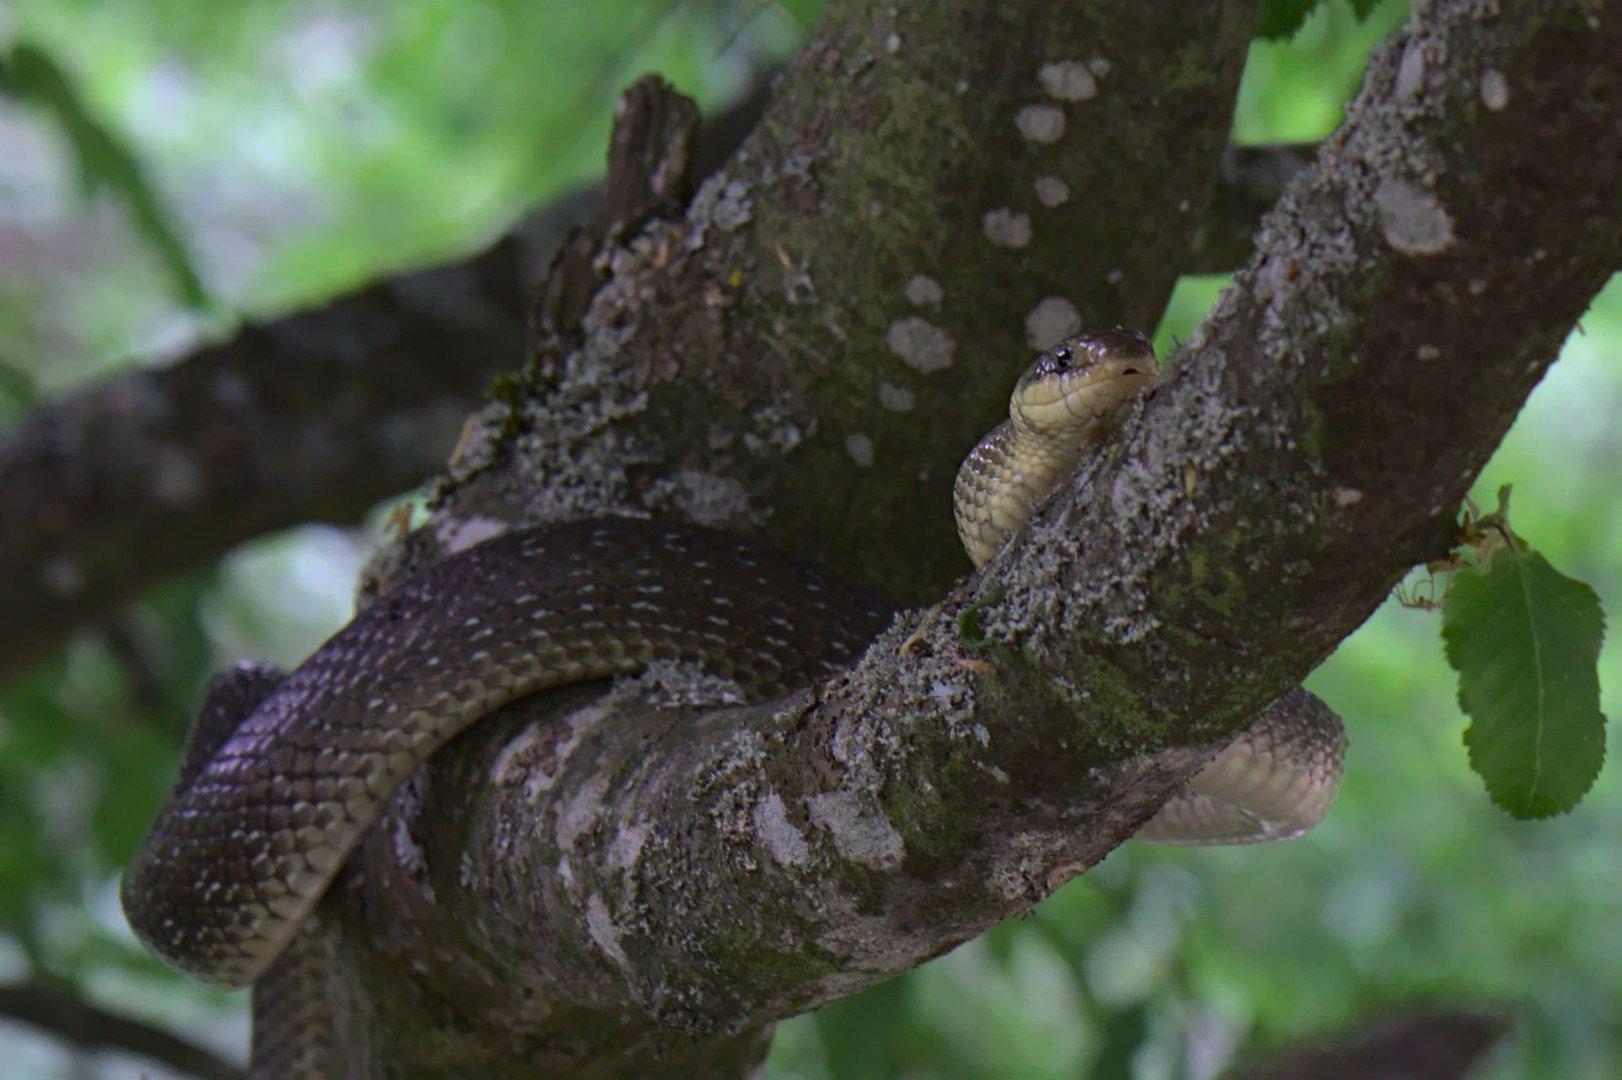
[1008, 476]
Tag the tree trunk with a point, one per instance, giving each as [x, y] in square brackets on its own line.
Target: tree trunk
[592, 887]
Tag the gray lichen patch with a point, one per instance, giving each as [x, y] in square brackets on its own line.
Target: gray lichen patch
[1051, 191]
[860, 449]
[1411, 71]
[705, 497]
[1411, 220]
[722, 201]
[1494, 90]
[626, 846]
[407, 849]
[581, 812]
[923, 290]
[525, 754]
[1040, 123]
[785, 843]
[859, 829]
[600, 925]
[895, 398]
[460, 533]
[1050, 322]
[775, 428]
[1006, 228]
[951, 696]
[674, 683]
[920, 344]
[1068, 80]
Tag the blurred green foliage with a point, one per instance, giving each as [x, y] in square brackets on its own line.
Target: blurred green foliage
[104, 162]
[306, 146]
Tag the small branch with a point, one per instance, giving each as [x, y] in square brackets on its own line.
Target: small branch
[1435, 1044]
[90, 1028]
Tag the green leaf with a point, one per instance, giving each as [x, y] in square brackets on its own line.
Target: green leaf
[1278, 19]
[1525, 641]
[969, 630]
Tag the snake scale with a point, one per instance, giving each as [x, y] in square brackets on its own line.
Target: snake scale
[282, 776]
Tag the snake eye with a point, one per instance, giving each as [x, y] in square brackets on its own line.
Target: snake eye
[1053, 362]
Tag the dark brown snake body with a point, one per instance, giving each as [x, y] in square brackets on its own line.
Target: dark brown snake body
[282, 778]
[253, 836]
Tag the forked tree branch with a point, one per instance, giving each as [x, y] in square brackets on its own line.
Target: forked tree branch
[658, 887]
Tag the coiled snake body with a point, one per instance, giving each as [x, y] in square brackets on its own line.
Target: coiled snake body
[266, 810]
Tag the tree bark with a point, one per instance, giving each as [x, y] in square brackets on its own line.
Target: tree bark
[845, 305]
[608, 895]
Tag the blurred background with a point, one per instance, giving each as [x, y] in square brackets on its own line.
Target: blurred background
[282, 153]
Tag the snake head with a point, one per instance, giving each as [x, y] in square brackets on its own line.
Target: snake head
[1084, 381]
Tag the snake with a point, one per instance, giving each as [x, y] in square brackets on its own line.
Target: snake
[282, 775]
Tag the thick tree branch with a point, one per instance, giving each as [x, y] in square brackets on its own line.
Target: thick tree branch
[934, 191]
[694, 880]
[94, 1029]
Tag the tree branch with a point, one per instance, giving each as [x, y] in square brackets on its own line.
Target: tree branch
[689, 881]
[90, 1028]
[1434, 1044]
[845, 304]
[310, 418]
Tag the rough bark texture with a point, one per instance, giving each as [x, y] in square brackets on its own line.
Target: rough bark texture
[881, 245]
[608, 892]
